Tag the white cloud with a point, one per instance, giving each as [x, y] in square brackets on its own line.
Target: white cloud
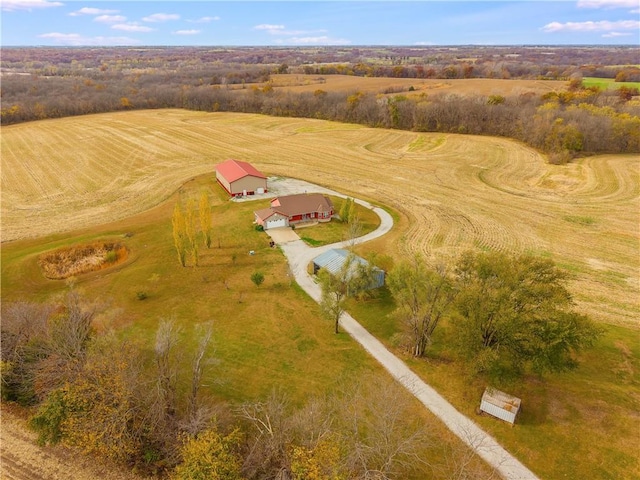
[204, 20]
[424, 43]
[161, 17]
[321, 40]
[607, 4]
[186, 32]
[77, 40]
[92, 11]
[280, 30]
[268, 27]
[600, 26]
[615, 35]
[109, 18]
[132, 27]
[13, 5]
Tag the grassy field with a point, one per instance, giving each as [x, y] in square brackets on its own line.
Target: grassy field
[470, 86]
[449, 193]
[607, 83]
[266, 338]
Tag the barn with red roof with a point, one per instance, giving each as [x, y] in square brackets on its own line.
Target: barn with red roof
[240, 178]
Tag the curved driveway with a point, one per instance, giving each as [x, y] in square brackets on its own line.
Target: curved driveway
[299, 254]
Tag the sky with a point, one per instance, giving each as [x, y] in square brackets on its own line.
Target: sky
[311, 23]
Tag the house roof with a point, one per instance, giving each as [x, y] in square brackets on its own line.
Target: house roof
[301, 203]
[234, 170]
[334, 259]
[266, 213]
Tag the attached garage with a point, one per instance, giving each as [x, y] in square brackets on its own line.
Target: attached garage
[270, 219]
[240, 178]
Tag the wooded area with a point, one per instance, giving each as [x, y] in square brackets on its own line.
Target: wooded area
[41, 83]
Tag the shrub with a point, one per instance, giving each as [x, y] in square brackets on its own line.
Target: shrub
[257, 278]
[111, 256]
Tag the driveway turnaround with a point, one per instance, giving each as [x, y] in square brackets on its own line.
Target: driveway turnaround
[299, 254]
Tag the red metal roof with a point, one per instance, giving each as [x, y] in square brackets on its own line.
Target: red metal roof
[234, 170]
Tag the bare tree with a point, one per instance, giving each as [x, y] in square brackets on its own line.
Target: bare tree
[384, 440]
[162, 414]
[63, 353]
[269, 436]
[23, 326]
[423, 296]
[199, 415]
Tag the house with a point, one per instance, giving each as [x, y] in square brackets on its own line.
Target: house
[240, 178]
[333, 261]
[292, 209]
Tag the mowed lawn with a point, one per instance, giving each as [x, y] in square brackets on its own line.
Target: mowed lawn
[451, 193]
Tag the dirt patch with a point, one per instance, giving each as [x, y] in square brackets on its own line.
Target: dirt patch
[79, 259]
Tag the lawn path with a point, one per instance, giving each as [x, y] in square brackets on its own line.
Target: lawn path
[299, 254]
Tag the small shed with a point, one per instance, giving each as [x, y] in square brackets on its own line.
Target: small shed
[499, 404]
[333, 260]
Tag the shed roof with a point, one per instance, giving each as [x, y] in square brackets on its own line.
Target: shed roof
[302, 203]
[501, 399]
[333, 260]
[234, 170]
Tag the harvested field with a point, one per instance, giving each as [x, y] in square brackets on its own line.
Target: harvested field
[455, 192]
[470, 86]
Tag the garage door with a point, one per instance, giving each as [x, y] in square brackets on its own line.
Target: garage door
[280, 222]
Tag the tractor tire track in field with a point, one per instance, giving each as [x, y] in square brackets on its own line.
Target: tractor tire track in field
[456, 192]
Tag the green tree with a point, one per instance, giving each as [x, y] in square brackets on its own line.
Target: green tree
[350, 280]
[179, 234]
[516, 312]
[345, 210]
[257, 278]
[209, 456]
[335, 289]
[205, 218]
[423, 296]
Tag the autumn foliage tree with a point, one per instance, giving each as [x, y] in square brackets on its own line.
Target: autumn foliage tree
[179, 234]
[205, 218]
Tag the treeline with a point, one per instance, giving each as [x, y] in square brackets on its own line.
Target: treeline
[555, 62]
[140, 403]
[66, 82]
[565, 125]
